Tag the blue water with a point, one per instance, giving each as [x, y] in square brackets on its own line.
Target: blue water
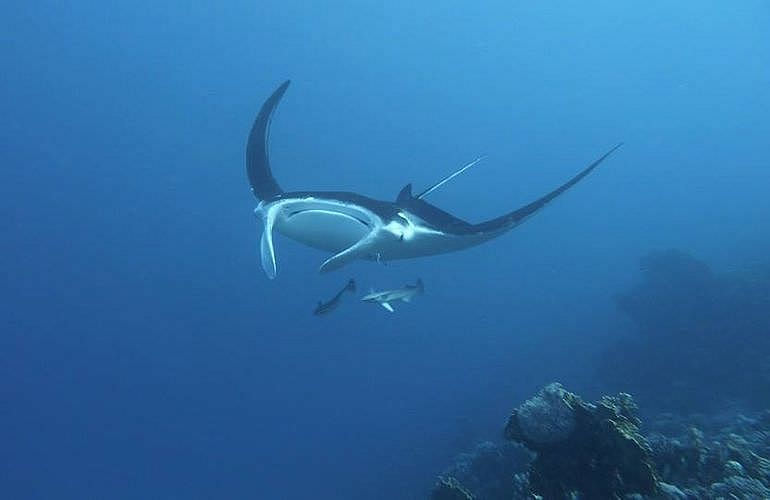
[143, 352]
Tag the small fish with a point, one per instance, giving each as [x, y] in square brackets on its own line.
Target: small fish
[327, 307]
[405, 293]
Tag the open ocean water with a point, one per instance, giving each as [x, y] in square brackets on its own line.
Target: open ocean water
[144, 354]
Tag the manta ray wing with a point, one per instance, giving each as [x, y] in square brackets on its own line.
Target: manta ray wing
[516, 217]
[263, 185]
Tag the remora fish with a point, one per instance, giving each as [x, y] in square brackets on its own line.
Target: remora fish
[352, 226]
[326, 307]
[405, 293]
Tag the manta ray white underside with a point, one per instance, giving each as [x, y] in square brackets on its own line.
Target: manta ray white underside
[349, 231]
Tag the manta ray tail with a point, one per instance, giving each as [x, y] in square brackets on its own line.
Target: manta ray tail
[518, 216]
[263, 185]
[406, 196]
[449, 178]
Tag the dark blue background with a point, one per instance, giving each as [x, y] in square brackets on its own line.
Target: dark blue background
[144, 354]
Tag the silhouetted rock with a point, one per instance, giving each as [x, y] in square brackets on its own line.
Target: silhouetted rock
[701, 338]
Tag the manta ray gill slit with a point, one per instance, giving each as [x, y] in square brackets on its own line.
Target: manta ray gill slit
[401, 227]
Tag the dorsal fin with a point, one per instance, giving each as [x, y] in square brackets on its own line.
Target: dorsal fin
[448, 178]
[263, 185]
[405, 194]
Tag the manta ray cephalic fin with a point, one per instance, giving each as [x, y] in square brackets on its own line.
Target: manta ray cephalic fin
[353, 252]
[266, 249]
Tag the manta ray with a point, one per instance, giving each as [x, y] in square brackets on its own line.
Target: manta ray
[352, 226]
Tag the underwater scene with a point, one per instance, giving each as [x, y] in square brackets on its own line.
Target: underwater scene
[363, 250]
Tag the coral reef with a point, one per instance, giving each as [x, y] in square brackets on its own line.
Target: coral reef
[701, 343]
[701, 336]
[489, 471]
[448, 488]
[596, 451]
[593, 450]
[713, 456]
[548, 417]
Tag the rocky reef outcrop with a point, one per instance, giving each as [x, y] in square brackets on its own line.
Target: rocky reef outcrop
[696, 357]
[583, 450]
[589, 449]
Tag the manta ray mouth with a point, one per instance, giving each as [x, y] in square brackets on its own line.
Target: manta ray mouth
[324, 226]
[311, 211]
